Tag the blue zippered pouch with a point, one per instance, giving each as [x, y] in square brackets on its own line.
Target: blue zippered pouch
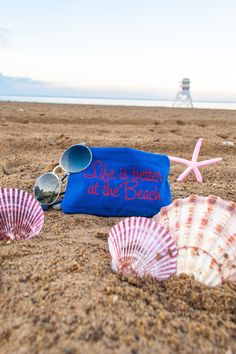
[119, 182]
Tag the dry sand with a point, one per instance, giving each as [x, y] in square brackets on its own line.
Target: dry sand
[57, 291]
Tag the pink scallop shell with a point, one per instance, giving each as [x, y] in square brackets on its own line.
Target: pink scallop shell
[140, 246]
[21, 215]
[205, 232]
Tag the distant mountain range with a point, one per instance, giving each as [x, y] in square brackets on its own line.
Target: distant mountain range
[20, 86]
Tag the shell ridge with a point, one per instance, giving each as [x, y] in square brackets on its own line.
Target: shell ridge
[2, 217]
[22, 214]
[147, 241]
[6, 214]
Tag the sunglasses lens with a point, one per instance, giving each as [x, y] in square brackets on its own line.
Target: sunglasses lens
[76, 158]
[46, 189]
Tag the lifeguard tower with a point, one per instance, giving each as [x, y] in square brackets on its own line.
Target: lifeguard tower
[183, 97]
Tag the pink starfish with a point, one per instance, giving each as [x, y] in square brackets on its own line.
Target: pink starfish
[193, 165]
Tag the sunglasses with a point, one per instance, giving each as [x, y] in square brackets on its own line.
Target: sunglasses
[47, 188]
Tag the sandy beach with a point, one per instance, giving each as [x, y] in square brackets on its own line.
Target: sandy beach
[57, 291]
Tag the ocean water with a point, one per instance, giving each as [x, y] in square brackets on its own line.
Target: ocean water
[115, 102]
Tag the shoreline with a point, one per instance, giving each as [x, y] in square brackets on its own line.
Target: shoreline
[119, 102]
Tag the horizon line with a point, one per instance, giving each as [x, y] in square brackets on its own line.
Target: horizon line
[117, 98]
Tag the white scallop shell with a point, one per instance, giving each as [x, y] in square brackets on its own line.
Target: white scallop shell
[140, 246]
[205, 232]
[21, 215]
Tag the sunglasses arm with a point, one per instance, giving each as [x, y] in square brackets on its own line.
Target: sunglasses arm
[64, 177]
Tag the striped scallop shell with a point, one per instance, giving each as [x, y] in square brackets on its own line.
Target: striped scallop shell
[140, 246]
[21, 216]
[205, 232]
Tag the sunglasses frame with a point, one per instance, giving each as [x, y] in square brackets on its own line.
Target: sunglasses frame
[67, 172]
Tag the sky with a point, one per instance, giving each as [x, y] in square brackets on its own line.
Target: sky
[139, 45]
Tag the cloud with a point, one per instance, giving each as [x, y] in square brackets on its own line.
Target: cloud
[5, 35]
[11, 85]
